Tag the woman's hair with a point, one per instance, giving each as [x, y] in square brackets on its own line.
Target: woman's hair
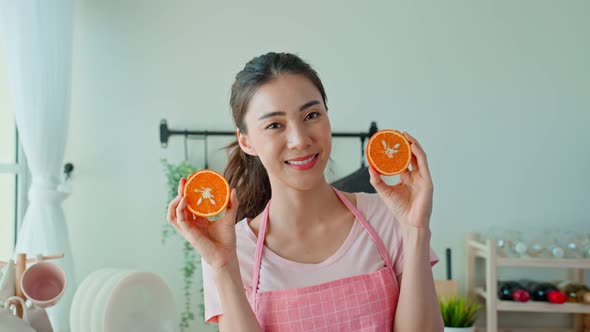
[244, 172]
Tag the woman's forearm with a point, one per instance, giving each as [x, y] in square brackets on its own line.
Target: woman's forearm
[417, 308]
[237, 312]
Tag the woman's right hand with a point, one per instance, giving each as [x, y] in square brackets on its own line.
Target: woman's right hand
[214, 240]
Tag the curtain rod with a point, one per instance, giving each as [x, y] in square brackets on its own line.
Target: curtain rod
[166, 133]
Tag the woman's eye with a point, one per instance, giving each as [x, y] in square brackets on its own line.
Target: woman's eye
[273, 125]
[312, 115]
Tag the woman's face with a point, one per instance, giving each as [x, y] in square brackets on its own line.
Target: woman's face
[289, 130]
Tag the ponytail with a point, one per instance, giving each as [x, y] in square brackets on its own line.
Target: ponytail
[248, 176]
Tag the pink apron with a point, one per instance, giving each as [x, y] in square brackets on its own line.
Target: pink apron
[360, 303]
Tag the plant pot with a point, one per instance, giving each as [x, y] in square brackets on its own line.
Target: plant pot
[459, 329]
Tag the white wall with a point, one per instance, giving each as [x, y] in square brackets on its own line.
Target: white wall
[498, 93]
[7, 180]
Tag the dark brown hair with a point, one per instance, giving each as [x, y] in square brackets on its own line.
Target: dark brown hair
[244, 172]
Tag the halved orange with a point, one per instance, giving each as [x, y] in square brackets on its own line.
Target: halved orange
[207, 194]
[388, 152]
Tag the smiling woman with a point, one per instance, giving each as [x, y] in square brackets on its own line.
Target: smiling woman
[340, 261]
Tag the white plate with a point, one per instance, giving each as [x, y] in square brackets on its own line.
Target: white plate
[140, 302]
[84, 298]
[77, 300]
[96, 312]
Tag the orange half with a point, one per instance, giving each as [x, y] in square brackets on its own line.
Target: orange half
[206, 193]
[388, 152]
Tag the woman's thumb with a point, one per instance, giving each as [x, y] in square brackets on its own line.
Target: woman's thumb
[377, 182]
[232, 206]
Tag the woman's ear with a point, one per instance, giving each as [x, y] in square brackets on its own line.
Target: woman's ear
[244, 142]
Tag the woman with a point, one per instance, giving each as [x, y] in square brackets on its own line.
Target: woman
[311, 258]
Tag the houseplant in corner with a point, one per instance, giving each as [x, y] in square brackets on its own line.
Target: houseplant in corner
[459, 313]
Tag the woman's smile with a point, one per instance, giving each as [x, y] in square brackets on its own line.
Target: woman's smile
[303, 163]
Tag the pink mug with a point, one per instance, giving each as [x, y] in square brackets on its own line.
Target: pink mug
[43, 283]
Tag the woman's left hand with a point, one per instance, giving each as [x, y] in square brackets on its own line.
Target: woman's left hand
[410, 200]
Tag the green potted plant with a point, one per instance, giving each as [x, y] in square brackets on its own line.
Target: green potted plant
[459, 313]
[191, 262]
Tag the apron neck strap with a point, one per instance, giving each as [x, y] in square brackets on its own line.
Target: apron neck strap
[367, 226]
[258, 255]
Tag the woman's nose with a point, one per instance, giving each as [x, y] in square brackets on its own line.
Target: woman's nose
[298, 138]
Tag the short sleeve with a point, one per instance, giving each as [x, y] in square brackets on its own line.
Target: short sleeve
[388, 229]
[211, 295]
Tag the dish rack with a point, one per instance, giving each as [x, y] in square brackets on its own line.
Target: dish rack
[20, 267]
[488, 252]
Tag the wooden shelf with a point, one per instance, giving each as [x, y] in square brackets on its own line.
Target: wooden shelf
[481, 292]
[483, 250]
[532, 306]
[521, 329]
[488, 252]
[563, 263]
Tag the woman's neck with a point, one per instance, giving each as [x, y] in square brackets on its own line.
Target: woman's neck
[302, 210]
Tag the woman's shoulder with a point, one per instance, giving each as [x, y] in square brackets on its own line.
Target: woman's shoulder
[372, 207]
[368, 202]
[253, 224]
[245, 248]
[351, 197]
[246, 232]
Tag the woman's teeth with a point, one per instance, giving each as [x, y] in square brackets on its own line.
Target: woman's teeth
[302, 162]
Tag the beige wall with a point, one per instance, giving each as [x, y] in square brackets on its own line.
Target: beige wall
[497, 93]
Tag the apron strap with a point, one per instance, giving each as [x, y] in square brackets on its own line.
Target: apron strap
[367, 226]
[258, 255]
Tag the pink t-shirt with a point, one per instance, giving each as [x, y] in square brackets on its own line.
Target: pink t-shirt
[357, 255]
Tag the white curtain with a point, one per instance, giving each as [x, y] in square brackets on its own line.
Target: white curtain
[37, 39]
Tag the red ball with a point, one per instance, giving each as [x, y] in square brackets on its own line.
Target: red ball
[556, 297]
[521, 295]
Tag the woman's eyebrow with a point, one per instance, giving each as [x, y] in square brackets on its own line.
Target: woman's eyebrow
[308, 105]
[280, 113]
